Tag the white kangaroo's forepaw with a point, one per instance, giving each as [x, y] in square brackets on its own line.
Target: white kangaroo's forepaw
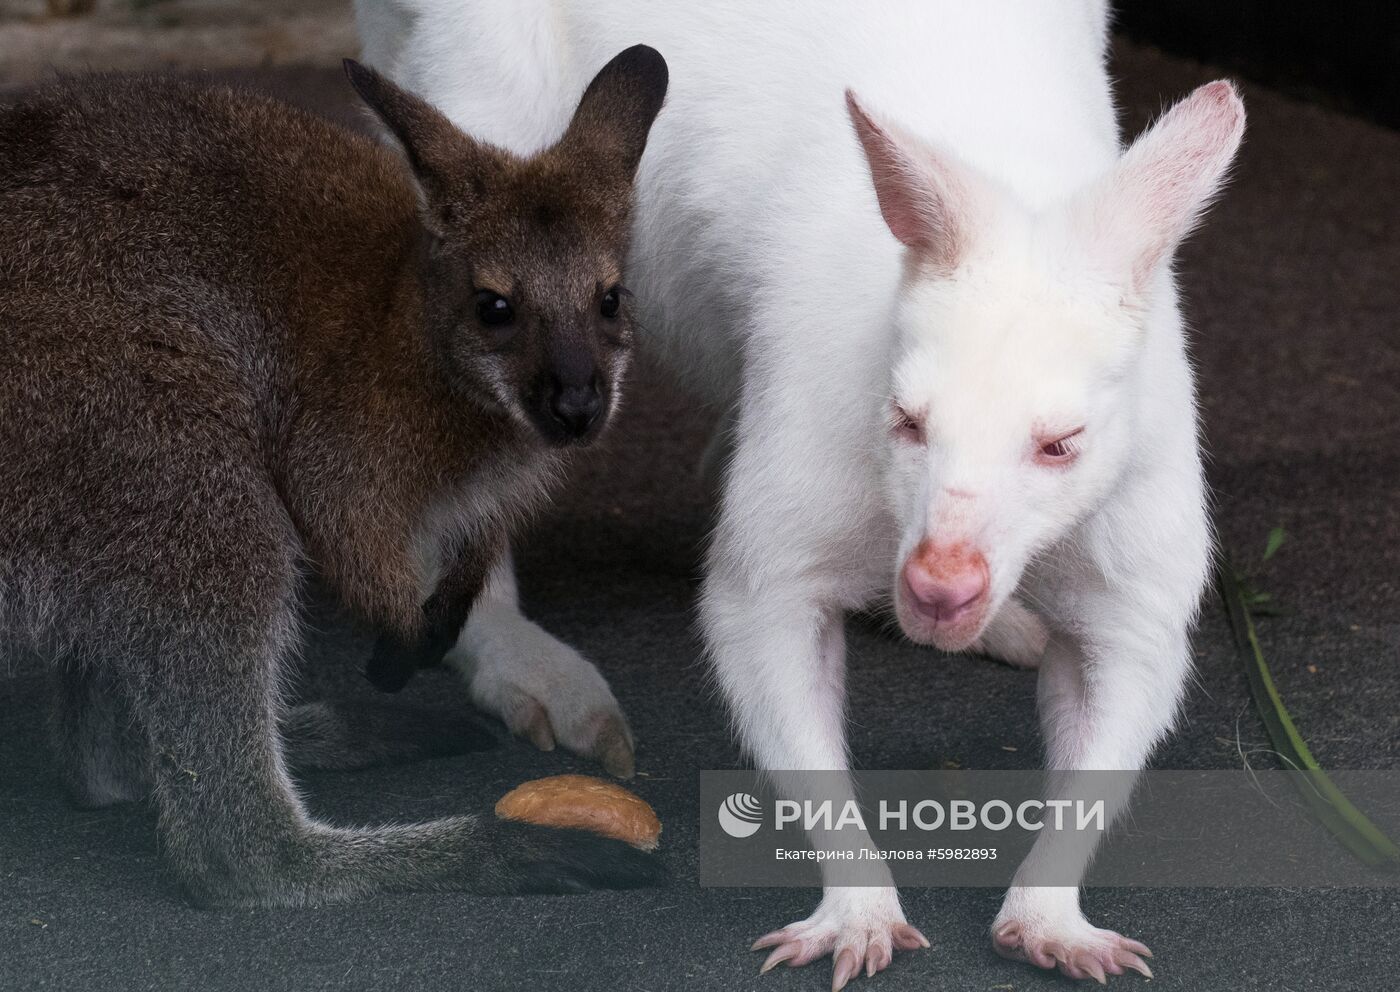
[855, 937]
[1016, 636]
[1078, 949]
[542, 689]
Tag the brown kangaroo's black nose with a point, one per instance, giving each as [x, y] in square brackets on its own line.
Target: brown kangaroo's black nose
[576, 408]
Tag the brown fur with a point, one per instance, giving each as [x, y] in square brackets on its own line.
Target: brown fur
[237, 342]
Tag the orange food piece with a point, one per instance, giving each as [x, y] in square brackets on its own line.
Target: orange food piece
[582, 802]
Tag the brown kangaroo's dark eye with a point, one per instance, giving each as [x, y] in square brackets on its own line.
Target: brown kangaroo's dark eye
[612, 303]
[493, 309]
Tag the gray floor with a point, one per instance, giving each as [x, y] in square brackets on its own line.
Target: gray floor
[1292, 289]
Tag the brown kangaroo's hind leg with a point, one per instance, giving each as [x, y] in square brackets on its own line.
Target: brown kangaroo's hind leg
[237, 833]
[232, 825]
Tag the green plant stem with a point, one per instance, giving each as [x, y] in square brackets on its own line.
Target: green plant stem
[1350, 826]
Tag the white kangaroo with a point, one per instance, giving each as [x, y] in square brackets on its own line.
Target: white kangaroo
[902, 243]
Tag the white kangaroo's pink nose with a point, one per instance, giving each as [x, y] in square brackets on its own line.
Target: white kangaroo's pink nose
[945, 583]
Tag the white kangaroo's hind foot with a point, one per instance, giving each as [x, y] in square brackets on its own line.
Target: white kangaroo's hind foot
[859, 928]
[1058, 936]
[541, 688]
[1016, 636]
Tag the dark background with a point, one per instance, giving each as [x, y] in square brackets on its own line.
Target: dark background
[1342, 54]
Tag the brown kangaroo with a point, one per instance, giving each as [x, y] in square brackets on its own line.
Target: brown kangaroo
[239, 344]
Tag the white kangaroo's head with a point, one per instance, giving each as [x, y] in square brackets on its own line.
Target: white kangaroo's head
[1011, 414]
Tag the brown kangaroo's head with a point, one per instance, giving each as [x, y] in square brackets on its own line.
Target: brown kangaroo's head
[523, 287]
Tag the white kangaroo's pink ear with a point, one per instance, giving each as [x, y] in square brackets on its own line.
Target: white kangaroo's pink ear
[922, 197]
[1165, 180]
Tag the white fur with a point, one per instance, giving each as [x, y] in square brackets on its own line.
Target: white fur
[540, 687]
[776, 287]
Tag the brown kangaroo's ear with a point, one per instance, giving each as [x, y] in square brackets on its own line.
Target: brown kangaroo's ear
[448, 163]
[609, 129]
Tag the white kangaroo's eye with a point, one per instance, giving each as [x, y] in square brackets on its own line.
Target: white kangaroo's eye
[1060, 450]
[905, 427]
